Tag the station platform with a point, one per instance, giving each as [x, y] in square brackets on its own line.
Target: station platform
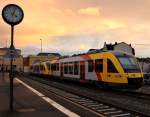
[26, 102]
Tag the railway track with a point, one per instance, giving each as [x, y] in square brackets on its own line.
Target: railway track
[131, 93]
[137, 94]
[96, 106]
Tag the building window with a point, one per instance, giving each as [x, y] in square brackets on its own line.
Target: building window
[99, 65]
[90, 66]
[110, 67]
[76, 68]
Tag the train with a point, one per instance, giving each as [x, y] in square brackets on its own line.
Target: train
[107, 68]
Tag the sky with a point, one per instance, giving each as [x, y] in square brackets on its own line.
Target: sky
[75, 26]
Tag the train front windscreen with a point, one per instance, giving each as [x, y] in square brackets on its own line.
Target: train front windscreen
[129, 64]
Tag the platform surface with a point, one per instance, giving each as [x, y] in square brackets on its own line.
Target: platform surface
[26, 103]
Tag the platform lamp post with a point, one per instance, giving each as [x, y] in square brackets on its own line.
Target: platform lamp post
[12, 15]
[41, 45]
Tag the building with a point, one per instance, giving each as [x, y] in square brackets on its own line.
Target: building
[5, 60]
[145, 64]
[31, 59]
[124, 47]
[120, 47]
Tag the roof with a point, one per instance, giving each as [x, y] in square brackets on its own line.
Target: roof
[147, 60]
[95, 51]
[112, 46]
[48, 54]
[8, 49]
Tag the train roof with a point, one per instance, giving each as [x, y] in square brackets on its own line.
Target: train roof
[76, 57]
[117, 53]
[100, 51]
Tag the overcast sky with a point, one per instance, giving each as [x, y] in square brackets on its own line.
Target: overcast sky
[74, 26]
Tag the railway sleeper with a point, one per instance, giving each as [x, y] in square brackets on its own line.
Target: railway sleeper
[107, 109]
[122, 115]
[113, 112]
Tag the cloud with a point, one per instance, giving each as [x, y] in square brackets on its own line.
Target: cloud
[30, 50]
[105, 24]
[90, 11]
[73, 44]
[74, 26]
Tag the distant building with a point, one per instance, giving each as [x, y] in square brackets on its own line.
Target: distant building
[145, 64]
[5, 61]
[120, 47]
[124, 47]
[49, 54]
[31, 59]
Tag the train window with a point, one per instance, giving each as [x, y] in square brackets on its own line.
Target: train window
[90, 66]
[43, 67]
[99, 65]
[52, 67]
[70, 68]
[110, 67]
[76, 68]
[39, 67]
[57, 66]
[36, 68]
[66, 68]
[48, 65]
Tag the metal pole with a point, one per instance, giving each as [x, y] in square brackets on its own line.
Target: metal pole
[6, 42]
[3, 69]
[41, 45]
[12, 37]
[11, 68]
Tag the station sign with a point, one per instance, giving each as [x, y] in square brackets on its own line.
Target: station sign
[11, 54]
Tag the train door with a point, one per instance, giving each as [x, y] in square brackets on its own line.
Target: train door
[82, 71]
[112, 72]
[105, 70]
[61, 70]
